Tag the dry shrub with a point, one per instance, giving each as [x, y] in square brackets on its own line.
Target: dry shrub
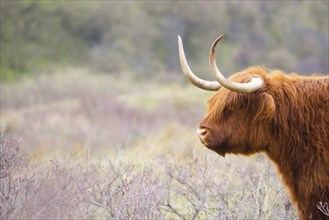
[166, 187]
[12, 186]
[204, 187]
[68, 189]
[190, 188]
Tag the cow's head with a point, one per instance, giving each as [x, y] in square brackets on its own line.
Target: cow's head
[239, 113]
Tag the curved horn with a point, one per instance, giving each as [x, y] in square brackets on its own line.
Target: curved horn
[255, 83]
[203, 84]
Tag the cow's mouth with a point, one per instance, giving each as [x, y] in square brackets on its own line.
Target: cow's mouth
[212, 144]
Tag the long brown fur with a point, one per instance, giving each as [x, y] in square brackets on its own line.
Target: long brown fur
[288, 120]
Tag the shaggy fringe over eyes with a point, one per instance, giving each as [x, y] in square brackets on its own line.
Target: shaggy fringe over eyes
[225, 100]
[266, 109]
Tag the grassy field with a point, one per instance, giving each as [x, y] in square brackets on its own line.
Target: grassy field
[81, 145]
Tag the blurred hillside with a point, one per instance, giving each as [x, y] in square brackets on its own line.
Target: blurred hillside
[141, 36]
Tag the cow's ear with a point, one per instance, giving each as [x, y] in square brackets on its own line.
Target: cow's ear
[266, 107]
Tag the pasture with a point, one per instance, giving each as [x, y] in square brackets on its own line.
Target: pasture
[82, 145]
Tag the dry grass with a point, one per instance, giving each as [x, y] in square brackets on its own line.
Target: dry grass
[95, 146]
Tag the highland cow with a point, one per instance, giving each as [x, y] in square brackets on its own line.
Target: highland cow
[285, 116]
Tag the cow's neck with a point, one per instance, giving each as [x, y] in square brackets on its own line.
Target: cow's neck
[297, 141]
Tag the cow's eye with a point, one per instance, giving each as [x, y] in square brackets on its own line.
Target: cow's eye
[227, 111]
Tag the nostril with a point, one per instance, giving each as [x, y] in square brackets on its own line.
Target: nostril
[202, 132]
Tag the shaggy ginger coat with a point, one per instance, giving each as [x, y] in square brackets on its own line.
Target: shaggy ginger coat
[288, 120]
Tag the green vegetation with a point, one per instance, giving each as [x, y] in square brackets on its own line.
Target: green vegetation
[141, 36]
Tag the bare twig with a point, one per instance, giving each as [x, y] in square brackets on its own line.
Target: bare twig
[324, 207]
[97, 204]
